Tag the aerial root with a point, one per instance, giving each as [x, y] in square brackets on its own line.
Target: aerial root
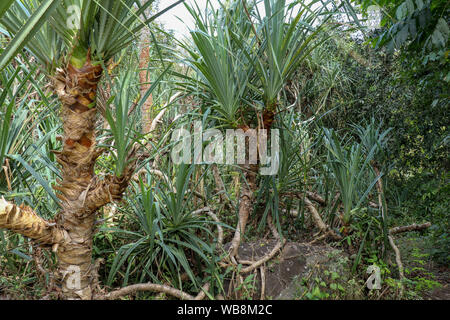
[263, 282]
[324, 228]
[210, 213]
[398, 260]
[308, 197]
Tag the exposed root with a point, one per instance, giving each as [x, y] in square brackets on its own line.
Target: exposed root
[145, 287]
[50, 286]
[323, 236]
[244, 212]
[311, 195]
[380, 191]
[157, 173]
[264, 259]
[7, 171]
[221, 190]
[37, 252]
[245, 205]
[202, 294]
[157, 120]
[307, 197]
[95, 275]
[316, 197]
[398, 260]
[263, 282]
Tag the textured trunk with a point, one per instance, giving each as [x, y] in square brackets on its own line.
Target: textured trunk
[144, 78]
[246, 201]
[81, 194]
[77, 89]
[80, 191]
[249, 186]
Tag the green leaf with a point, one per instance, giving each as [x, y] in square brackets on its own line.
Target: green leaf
[21, 254]
[36, 175]
[4, 5]
[37, 19]
[402, 36]
[412, 27]
[447, 77]
[438, 39]
[442, 26]
[410, 7]
[401, 11]
[419, 4]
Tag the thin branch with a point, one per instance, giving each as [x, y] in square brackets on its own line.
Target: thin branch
[411, 227]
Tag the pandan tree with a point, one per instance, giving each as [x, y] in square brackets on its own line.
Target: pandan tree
[73, 42]
[243, 55]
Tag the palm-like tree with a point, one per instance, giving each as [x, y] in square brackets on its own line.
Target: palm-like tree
[75, 42]
[243, 56]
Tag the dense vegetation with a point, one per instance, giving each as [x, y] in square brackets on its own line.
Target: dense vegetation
[88, 109]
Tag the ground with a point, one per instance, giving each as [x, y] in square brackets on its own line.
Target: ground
[321, 271]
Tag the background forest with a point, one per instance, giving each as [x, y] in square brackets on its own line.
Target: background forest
[92, 91]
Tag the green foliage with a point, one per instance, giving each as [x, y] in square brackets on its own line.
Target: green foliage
[243, 58]
[420, 279]
[26, 168]
[350, 168]
[289, 35]
[412, 104]
[222, 72]
[247, 287]
[420, 29]
[421, 22]
[26, 32]
[74, 27]
[122, 127]
[165, 239]
[341, 108]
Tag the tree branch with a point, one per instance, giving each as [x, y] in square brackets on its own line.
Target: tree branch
[23, 220]
[411, 227]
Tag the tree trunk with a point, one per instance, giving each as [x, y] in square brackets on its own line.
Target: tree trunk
[249, 186]
[144, 78]
[246, 201]
[77, 90]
